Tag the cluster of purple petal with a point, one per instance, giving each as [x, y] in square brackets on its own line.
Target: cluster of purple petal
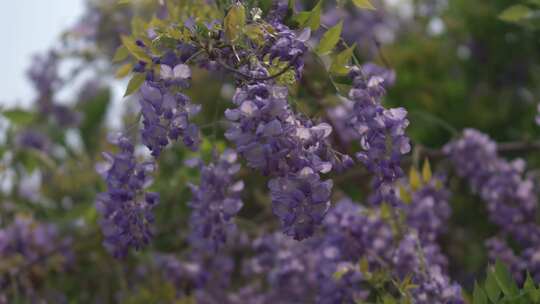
[381, 132]
[285, 45]
[166, 117]
[215, 202]
[33, 139]
[45, 77]
[365, 28]
[292, 150]
[339, 114]
[429, 210]
[126, 208]
[510, 197]
[30, 247]
[306, 271]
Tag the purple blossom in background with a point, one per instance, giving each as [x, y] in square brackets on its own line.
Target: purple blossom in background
[33, 139]
[340, 114]
[499, 249]
[364, 27]
[44, 76]
[300, 272]
[126, 208]
[509, 195]
[537, 118]
[381, 132]
[215, 202]
[185, 276]
[27, 247]
[286, 266]
[429, 210]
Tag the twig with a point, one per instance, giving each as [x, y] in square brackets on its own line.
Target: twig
[247, 76]
[381, 54]
[505, 147]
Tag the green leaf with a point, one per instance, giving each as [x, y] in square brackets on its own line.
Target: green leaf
[534, 2]
[330, 39]
[388, 299]
[515, 13]
[135, 83]
[414, 179]
[366, 4]
[265, 5]
[18, 116]
[529, 283]
[255, 33]
[138, 27]
[134, 49]
[479, 297]
[340, 61]
[404, 195]
[386, 211]
[492, 288]
[94, 111]
[121, 54]
[234, 22]
[302, 18]
[124, 70]
[504, 279]
[426, 171]
[311, 19]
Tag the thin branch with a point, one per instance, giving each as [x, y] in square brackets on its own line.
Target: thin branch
[247, 76]
[505, 147]
[381, 54]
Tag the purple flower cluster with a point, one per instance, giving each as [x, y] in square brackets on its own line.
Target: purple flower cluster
[364, 27]
[381, 132]
[45, 77]
[185, 276]
[291, 150]
[126, 208]
[324, 269]
[509, 195]
[300, 200]
[33, 139]
[340, 114]
[28, 247]
[358, 233]
[216, 200]
[166, 117]
[537, 118]
[285, 265]
[286, 46]
[429, 210]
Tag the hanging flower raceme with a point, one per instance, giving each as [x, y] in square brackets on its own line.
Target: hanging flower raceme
[27, 249]
[216, 200]
[381, 132]
[167, 115]
[510, 197]
[427, 209]
[126, 208]
[291, 150]
[354, 233]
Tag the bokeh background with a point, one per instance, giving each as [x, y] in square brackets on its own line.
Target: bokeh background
[458, 65]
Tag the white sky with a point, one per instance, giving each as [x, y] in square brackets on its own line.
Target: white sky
[27, 27]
